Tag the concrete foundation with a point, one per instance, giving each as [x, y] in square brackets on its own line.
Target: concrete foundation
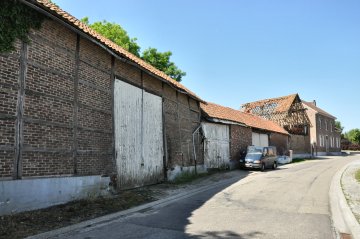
[298, 156]
[30, 194]
[328, 154]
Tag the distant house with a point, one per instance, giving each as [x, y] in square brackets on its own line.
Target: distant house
[325, 137]
[228, 132]
[288, 112]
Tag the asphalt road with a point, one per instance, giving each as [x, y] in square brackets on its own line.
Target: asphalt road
[290, 202]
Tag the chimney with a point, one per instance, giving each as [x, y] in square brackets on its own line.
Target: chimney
[314, 102]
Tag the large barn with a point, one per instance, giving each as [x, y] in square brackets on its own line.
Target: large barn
[77, 111]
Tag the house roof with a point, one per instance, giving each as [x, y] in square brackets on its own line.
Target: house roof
[281, 104]
[74, 22]
[311, 105]
[225, 113]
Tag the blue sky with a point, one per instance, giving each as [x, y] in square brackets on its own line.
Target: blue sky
[237, 51]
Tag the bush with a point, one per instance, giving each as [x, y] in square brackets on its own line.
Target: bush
[355, 147]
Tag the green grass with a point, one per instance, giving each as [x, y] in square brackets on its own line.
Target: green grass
[299, 160]
[357, 175]
[187, 177]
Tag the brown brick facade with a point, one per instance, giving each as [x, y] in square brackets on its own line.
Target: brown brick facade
[300, 144]
[66, 128]
[280, 141]
[330, 136]
[240, 139]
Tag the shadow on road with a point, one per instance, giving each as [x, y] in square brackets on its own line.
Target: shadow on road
[177, 215]
[228, 234]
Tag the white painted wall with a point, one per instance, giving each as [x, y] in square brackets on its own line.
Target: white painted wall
[30, 194]
[261, 140]
[138, 136]
[217, 145]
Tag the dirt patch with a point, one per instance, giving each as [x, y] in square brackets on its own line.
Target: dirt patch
[34, 222]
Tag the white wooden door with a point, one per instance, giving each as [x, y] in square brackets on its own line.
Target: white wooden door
[261, 140]
[217, 145]
[138, 136]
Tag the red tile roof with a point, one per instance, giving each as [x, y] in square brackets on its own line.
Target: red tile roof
[225, 113]
[283, 103]
[66, 17]
[317, 109]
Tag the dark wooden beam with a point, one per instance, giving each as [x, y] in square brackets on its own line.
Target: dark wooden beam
[19, 125]
[75, 104]
[112, 87]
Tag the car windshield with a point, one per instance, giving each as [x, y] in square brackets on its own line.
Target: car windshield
[253, 156]
[255, 150]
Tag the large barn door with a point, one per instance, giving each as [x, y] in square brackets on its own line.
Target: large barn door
[261, 140]
[138, 136]
[217, 147]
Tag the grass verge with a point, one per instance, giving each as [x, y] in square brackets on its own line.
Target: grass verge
[357, 175]
[29, 223]
[299, 160]
[187, 177]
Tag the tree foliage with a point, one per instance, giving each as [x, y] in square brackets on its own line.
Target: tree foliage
[353, 135]
[339, 126]
[16, 20]
[160, 60]
[115, 33]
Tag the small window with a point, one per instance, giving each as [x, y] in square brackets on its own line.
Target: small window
[321, 141]
[331, 127]
[326, 125]
[319, 123]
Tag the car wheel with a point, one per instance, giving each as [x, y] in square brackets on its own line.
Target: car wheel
[263, 167]
[275, 165]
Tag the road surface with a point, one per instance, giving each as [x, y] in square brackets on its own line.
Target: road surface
[290, 202]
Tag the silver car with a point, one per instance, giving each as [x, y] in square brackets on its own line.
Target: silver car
[260, 158]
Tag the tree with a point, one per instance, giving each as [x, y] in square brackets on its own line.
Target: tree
[16, 21]
[353, 135]
[115, 33]
[161, 60]
[339, 126]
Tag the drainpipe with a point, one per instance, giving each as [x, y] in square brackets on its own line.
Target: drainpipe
[193, 142]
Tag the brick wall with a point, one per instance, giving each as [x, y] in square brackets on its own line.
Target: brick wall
[240, 138]
[300, 144]
[280, 141]
[66, 124]
[9, 87]
[329, 132]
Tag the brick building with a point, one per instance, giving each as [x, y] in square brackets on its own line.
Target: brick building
[66, 109]
[324, 136]
[288, 112]
[228, 133]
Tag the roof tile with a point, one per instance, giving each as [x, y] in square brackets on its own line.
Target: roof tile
[225, 113]
[283, 103]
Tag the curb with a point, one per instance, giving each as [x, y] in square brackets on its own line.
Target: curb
[343, 219]
[103, 220]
